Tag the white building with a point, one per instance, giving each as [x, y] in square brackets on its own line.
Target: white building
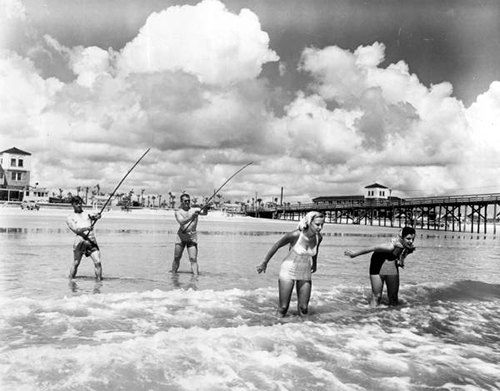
[15, 171]
[377, 192]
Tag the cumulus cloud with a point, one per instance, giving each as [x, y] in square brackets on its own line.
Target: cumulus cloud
[12, 15]
[189, 85]
[12, 9]
[24, 94]
[399, 123]
[79, 130]
[205, 40]
[484, 117]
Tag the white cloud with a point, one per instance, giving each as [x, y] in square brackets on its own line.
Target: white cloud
[12, 9]
[399, 122]
[189, 86]
[484, 117]
[24, 94]
[89, 63]
[336, 73]
[205, 40]
[312, 132]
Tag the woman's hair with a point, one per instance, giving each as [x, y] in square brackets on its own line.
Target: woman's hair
[407, 231]
[306, 220]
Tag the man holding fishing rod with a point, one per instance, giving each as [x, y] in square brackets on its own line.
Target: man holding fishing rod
[187, 218]
[187, 236]
[82, 224]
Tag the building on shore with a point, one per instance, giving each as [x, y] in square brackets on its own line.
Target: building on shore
[15, 177]
[374, 194]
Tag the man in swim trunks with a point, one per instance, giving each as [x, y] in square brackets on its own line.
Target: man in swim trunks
[187, 218]
[85, 241]
[385, 262]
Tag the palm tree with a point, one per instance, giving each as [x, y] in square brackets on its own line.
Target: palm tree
[219, 199]
[171, 199]
[119, 197]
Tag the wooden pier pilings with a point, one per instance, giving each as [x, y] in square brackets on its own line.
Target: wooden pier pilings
[465, 213]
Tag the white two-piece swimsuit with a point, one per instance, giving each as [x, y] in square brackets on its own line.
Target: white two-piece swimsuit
[298, 262]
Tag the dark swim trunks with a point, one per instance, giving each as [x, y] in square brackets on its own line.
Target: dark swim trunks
[85, 247]
[188, 239]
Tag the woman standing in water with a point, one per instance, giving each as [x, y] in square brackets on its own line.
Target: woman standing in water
[299, 264]
[385, 262]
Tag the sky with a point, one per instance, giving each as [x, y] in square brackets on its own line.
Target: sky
[325, 97]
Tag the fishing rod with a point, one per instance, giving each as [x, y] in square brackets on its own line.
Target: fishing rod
[224, 184]
[119, 184]
[217, 191]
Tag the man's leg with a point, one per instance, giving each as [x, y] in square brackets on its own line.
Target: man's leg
[178, 250]
[96, 257]
[77, 257]
[193, 259]
[377, 287]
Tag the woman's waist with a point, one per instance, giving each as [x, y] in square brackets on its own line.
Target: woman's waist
[297, 258]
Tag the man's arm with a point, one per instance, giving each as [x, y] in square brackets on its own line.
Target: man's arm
[184, 219]
[204, 211]
[80, 231]
[72, 225]
[94, 217]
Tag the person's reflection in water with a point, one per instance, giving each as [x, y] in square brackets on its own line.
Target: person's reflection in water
[73, 286]
[191, 284]
[97, 288]
[175, 280]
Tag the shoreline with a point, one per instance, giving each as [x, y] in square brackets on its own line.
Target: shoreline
[118, 213]
[9, 214]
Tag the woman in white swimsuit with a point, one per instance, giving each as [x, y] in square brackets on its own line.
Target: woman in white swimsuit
[299, 264]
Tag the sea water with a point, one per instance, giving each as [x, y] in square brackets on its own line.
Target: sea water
[143, 328]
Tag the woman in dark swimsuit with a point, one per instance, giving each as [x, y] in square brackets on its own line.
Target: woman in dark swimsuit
[385, 262]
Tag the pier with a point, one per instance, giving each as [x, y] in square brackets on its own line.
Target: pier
[459, 213]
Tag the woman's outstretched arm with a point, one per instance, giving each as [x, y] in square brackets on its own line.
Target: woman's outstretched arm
[288, 238]
[386, 248]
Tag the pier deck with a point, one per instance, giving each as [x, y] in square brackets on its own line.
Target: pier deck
[459, 213]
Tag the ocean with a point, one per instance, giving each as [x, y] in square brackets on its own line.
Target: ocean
[142, 328]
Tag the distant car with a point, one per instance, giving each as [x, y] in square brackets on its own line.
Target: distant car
[30, 205]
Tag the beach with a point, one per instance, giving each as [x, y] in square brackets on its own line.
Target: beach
[143, 328]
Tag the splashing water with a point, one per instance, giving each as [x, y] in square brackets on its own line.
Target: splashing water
[144, 329]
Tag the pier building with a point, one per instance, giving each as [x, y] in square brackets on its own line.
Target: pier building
[474, 213]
